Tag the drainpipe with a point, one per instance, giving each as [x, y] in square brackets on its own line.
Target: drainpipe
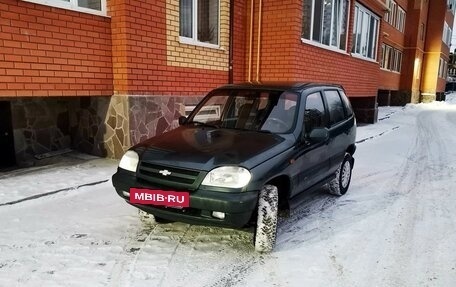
[230, 55]
[249, 76]
[260, 18]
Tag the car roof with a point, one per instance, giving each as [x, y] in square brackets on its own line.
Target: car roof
[297, 86]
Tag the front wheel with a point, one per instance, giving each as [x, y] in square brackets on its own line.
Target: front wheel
[266, 228]
[339, 185]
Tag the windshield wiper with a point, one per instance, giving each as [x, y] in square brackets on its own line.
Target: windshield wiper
[203, 124]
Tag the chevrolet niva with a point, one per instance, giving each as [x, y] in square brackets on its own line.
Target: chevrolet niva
[242, 155]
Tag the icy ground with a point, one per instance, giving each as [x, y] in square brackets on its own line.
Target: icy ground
[395, 227]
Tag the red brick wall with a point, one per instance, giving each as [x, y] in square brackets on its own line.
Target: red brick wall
[415, 17]
[239, 40]
[280, 40]
[48, 51]
[359, 77]
[389, 80]
[393, 37]
[140, 55]
[435, 48]
[286, 58]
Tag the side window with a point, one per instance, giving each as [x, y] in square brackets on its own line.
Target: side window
[314, 115]
[335, 106]
[348, 107]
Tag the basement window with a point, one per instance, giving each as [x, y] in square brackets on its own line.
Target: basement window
[199, 22]
[97, 7]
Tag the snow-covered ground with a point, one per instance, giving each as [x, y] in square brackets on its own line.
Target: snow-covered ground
[395, 227]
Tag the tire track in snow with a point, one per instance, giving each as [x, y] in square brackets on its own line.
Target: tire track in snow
[310, 215]
[229, 263]
[171, 255]
[236, 274]
[377, 135]
[411, 192]
[36, 196]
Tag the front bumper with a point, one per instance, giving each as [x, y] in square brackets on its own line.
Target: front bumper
[238, 207]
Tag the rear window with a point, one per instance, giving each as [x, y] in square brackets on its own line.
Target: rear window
[348, 107]
[335, 106]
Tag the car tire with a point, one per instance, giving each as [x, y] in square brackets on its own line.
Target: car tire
[266, 227]
[339, 185]
[150, 218]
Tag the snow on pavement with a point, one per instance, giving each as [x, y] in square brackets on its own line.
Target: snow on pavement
[69, 171]
[394, 227]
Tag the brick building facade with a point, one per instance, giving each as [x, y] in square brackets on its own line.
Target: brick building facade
[100, 76]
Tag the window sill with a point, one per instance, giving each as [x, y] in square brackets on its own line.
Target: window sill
[190, 41]
[386, 70]
[329, 48]
[364, 58]
[68, 6]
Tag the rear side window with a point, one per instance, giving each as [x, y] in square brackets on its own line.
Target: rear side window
[335, 106]
[348, 107]
[314, 116]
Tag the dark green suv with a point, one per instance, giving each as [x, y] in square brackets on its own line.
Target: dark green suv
[243, 153]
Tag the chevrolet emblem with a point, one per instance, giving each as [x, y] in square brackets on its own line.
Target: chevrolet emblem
[164, 172]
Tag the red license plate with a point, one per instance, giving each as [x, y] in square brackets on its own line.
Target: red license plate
[160, 197]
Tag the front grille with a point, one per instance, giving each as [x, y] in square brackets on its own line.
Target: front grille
[175, 177]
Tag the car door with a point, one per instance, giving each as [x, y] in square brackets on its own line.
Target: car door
[312, 160]
[338, 127]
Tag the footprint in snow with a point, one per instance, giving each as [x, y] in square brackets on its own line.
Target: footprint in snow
[79, 235]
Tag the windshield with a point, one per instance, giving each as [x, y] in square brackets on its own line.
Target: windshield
[255, 110]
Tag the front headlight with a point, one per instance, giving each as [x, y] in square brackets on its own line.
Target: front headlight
[227, 176]
[129, 161]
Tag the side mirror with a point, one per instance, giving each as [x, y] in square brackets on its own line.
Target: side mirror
[182, 120]
[318, 135]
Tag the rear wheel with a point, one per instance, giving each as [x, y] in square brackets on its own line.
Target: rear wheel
[266, 227]
[339, 185]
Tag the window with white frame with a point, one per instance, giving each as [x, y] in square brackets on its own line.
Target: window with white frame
[391, 59]
[90, 6]
[386, 17]
[447, 33]
[325, 22]
[390, 15]
[386, 54]
[365, 33]
[199, 21]
[400, 19]
[397, 64]
[443, 67]
[395, 16]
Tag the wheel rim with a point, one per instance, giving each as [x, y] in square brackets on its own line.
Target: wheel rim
[346, 172]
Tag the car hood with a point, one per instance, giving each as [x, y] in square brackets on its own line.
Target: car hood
[203, 148]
